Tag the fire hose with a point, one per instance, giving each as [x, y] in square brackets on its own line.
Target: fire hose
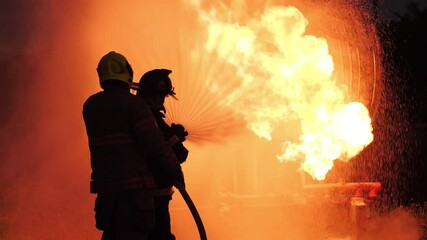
[193, 210]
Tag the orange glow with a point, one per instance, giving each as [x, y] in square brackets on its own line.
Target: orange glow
[283, 73]
[257, 81]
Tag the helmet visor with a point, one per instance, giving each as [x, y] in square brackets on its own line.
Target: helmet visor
[172, 93]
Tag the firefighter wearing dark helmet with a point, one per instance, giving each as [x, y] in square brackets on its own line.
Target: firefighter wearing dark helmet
[154, 86]
[123, 139]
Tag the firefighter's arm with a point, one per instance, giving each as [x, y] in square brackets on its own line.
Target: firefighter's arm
[151, 142]
[175, 135]
[180, 151]
[178, 148]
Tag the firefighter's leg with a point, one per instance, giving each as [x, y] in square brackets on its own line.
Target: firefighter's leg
[162, 229]
[133, 217]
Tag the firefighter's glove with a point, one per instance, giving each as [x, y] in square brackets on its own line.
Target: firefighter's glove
[179, 131]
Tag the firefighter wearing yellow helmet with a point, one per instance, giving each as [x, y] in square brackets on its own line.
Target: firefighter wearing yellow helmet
[122, 133]
[114, 66]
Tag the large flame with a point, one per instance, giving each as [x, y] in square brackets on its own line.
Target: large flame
[284, 74]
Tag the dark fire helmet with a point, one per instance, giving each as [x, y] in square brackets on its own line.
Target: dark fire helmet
[155, 82]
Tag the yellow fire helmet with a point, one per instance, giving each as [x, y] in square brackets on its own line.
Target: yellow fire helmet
[114, 66]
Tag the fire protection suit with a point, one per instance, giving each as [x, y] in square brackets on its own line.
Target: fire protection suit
[153, 87]
[123, 138]
[163, 194]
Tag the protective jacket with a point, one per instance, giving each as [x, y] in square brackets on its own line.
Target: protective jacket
[123, 138]
[178, 148]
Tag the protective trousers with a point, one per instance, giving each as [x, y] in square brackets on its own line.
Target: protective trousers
[162, 229]
[127, 215]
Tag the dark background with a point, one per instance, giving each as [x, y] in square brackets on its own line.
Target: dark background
[404, 40]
